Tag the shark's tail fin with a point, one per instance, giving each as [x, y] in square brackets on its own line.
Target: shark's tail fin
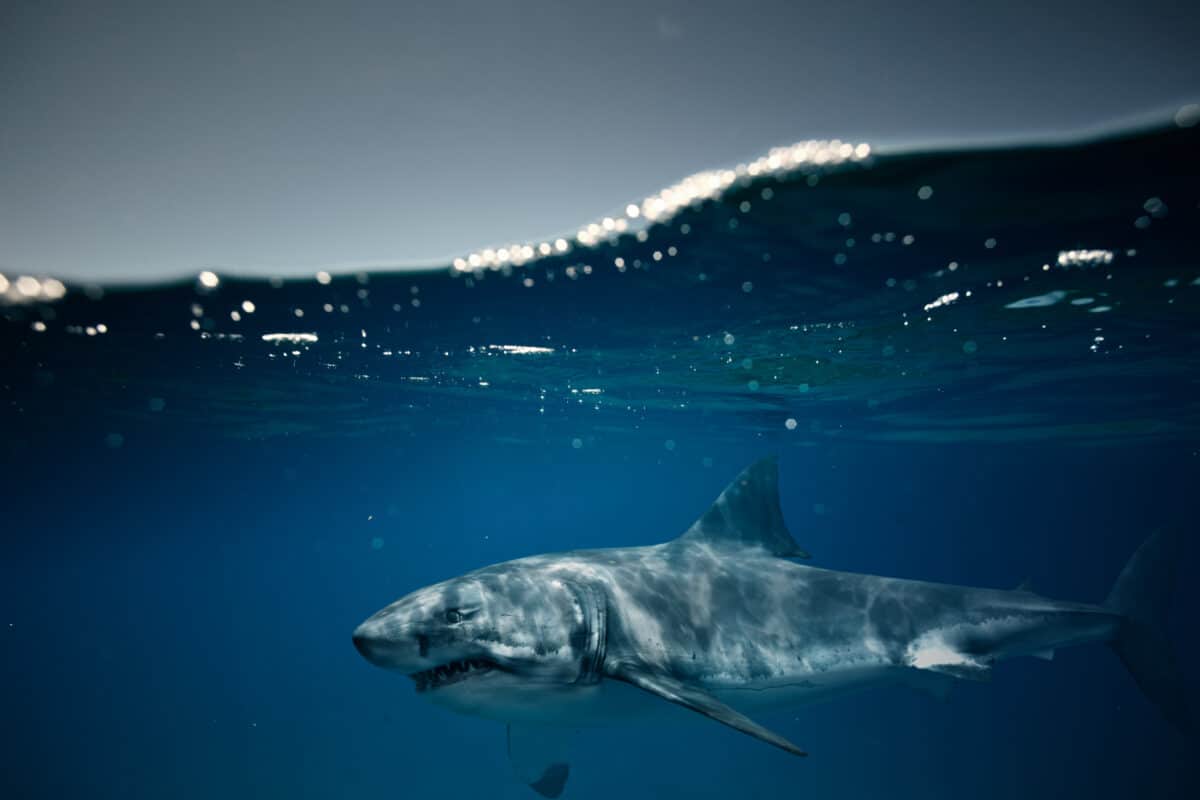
[1142, 595]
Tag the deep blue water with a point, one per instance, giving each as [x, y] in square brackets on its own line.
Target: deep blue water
[195, 519]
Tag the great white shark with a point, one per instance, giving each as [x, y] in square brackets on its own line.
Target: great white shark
[723, 621]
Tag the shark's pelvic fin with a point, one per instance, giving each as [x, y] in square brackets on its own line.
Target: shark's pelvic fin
[698, 700]
[747, 514]
[538, 756]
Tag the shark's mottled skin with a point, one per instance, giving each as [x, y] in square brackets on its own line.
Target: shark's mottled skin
[721, 619]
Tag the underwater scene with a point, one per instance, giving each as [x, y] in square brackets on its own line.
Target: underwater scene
[842, 472]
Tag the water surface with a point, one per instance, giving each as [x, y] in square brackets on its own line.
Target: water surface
[977, 366]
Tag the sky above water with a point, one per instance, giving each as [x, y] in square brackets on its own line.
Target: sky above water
[146, 140]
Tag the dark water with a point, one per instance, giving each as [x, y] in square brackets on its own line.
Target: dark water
[195, 518]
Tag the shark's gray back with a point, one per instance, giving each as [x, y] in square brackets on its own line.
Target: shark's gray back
[727, 605]
[740, 617]
[719, 617]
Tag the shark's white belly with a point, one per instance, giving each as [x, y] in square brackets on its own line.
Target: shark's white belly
[502, 697]
[802, 689]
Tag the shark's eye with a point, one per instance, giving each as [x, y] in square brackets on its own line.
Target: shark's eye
[453, 615]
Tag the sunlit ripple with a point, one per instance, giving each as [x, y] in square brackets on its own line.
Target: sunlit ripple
[1039, 301]
[289, 338]
[944, 300]
[1084, 258]
[665, 204]
[520, 349]
[29, 289]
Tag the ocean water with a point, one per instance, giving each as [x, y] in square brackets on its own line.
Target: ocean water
[977, 366]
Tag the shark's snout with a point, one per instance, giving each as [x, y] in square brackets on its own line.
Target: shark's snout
[363, 642]
[386, 647]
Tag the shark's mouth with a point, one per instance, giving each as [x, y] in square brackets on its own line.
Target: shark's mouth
[454, 672]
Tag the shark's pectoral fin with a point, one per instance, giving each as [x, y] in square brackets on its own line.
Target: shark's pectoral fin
[538, 755]
[696, 699]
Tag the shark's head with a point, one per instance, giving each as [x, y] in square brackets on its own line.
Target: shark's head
[504, 628]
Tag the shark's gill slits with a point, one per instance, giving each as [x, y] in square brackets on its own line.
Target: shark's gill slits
[450, 673]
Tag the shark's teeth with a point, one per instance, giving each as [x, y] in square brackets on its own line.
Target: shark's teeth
[453, 672]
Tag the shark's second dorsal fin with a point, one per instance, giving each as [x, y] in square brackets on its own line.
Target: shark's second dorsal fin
[747, 514]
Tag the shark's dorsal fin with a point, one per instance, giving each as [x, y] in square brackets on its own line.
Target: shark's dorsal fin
[700, 701]
[747, 514]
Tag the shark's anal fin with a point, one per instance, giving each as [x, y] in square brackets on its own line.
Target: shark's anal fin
[698, 700]
[538, 756]
[747, 514]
